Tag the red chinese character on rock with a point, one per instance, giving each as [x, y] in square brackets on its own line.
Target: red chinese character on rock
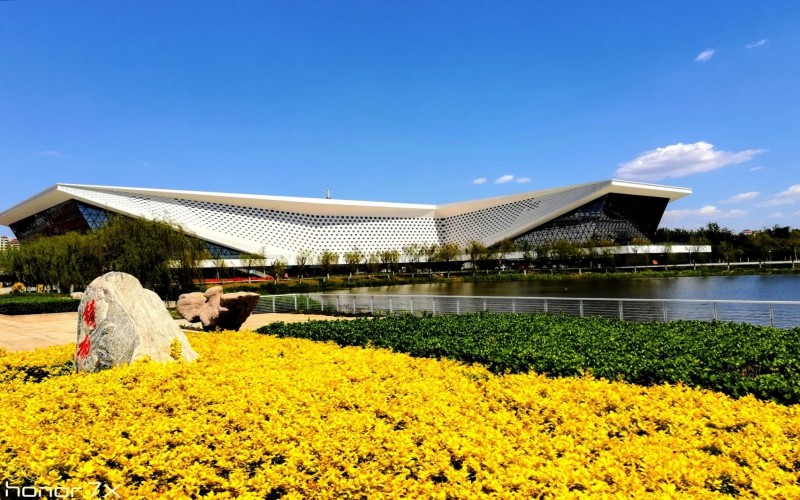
[89, 320]
[88, 314]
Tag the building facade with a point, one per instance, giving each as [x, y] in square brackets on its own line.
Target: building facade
[281, 227]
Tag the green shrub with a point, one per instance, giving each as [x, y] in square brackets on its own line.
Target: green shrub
[34, 303]
[736, 359]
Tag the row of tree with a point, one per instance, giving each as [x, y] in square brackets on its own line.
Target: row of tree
[166, 259]
[777, 243]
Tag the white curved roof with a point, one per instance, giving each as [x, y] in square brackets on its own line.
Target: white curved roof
[282, 225]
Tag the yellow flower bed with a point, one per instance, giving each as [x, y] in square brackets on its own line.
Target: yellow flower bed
[258, 416]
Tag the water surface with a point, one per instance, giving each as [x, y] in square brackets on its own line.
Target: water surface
[772, 287]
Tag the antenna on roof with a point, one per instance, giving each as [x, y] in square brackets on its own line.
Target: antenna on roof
[328, 194]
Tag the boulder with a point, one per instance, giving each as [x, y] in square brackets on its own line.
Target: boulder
[238, 307]
[120, 322]
[217, 310]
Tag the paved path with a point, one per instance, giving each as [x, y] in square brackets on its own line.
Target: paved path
[22, 333]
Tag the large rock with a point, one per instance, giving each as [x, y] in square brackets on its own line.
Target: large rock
[217, 310]
[120, 322]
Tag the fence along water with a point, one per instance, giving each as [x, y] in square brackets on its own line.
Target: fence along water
[781, 314]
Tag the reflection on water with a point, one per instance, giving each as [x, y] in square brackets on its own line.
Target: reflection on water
[781, 287]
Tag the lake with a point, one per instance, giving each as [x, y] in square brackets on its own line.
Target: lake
[764, 287]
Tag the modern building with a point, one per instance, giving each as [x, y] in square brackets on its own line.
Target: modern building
[281, 227]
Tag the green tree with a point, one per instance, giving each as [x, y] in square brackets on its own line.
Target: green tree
[668, 251]
[279, 266]
[765, 244]
[302, 258]
[353, 258]
[728, 252]
[328, 260]
[639, 247]
[221, 266]
[414, 253]
[158, 253]
[696, 243]
[430, 252]
[251, 260]
[373, 262]
[527, 251]
[389, 258]
[447, 252]
[794, 244]
[502, 249]
[475, 251]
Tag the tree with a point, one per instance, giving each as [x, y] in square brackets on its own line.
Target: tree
[475, 251]
[414, 253]
[447, 252]
[544, 251]
[606, 251]
[728, 252]
[327, 260]
[353, 258]
[503, 248]
[639, 245]
[389, 258]
[158, 253]
[162, 251]
[373, 262]
[303, 257]
[668, 253]
[279, 266]
[563, 250]
[430, 252]
[794, 243]
[696, 243]
[765, 245]
[250, 260]
[527, 251]
[221, 265]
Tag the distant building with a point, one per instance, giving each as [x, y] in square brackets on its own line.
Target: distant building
[279, 226]
[6, 244]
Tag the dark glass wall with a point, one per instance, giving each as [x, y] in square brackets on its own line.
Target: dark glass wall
[58, 219]
[615, 217]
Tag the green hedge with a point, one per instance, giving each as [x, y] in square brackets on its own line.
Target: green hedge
[36, 303]
[736, 359]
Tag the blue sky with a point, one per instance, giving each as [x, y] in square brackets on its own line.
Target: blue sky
[420, 102]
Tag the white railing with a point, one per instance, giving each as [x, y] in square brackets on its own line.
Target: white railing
[781, 314]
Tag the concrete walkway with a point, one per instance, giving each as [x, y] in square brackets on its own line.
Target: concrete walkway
[23, 333]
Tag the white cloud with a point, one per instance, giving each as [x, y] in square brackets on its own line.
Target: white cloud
[796, 214]
[50, 153]
[738, 198]
[705, 55]
[775, 215]
[785, 197]
[755, 45]
[504, 179]
[706, 211]
[755, 169]
[680, 160]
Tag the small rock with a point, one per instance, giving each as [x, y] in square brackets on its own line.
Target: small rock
[216, 310]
